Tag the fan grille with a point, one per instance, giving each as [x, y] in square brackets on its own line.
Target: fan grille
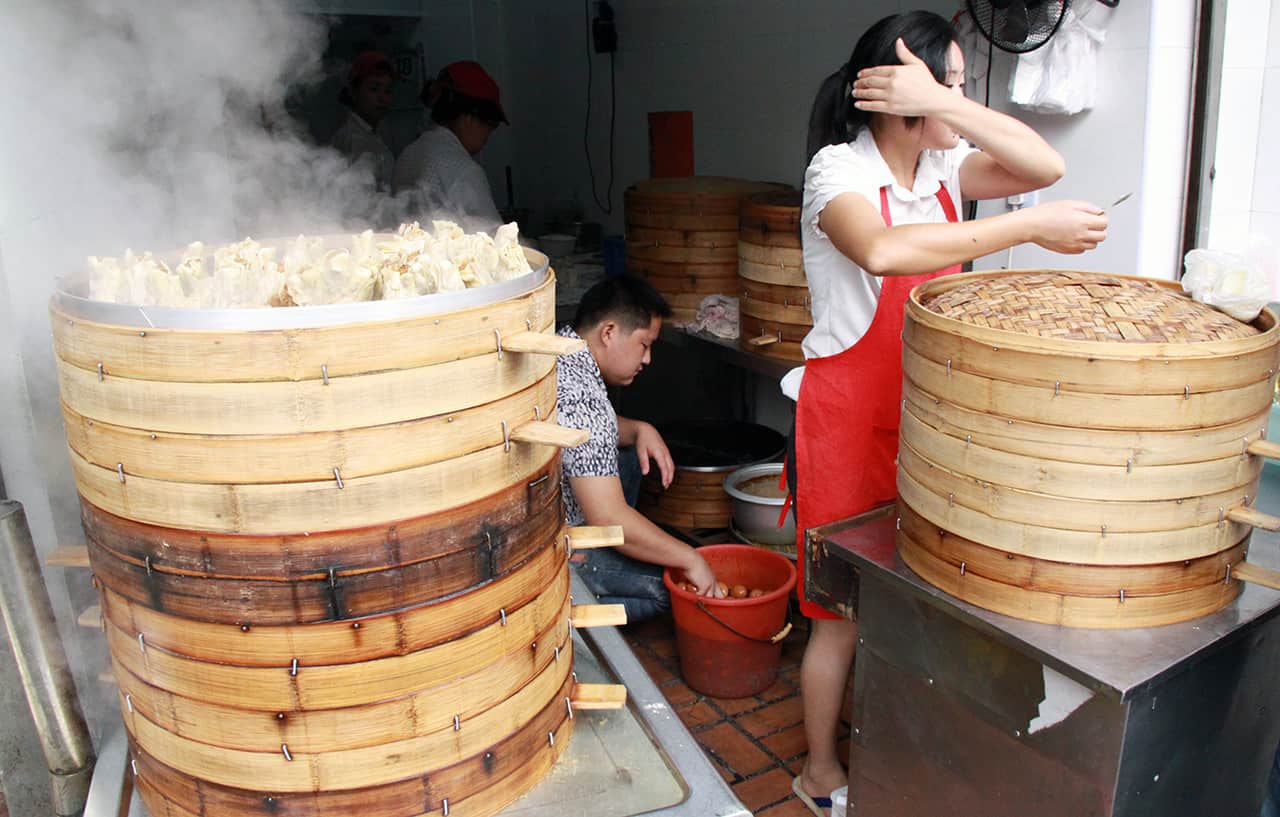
[1018, 26]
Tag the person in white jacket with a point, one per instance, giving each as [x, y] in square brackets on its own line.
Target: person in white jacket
[438, 173]
[368, 95]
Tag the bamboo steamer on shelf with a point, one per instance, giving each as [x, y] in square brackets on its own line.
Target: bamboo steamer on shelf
[682, 236]
[331, 557]
[774, 300]
[1082, 449]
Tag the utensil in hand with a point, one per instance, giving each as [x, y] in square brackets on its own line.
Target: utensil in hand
[1120, 200]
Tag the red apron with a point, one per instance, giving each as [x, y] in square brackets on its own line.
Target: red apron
[848, 412]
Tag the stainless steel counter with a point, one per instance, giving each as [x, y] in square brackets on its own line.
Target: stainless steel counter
[961, 711]
[638, 760]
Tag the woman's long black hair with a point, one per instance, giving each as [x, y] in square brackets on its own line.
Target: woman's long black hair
[834, 120]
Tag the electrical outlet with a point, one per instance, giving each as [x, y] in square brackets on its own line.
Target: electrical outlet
[604, 34]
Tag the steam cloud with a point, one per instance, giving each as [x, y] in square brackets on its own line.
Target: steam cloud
[149, 124]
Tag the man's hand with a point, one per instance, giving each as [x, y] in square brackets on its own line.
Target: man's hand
[650, 446]
[701, 576]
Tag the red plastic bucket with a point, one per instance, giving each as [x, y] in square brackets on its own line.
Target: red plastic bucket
[729, 648]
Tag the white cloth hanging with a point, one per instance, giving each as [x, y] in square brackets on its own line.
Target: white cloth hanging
[1061, 76]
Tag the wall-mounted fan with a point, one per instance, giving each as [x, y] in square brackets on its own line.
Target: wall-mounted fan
[1018, 26]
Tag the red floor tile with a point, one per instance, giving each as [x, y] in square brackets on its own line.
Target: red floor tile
[734, 706]
[699, 714]
[788, 743]
[772, 718]
[764, 789]
[735, 749]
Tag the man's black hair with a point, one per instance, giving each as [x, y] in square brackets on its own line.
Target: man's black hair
[630, 302]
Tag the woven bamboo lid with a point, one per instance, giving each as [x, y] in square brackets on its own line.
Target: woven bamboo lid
[1085, 306]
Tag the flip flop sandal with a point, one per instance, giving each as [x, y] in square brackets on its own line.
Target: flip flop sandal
[820, 806]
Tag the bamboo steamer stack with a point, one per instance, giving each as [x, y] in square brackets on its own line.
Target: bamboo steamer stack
[705, 452]
[1081, 449]
[331, 559]
[682, 236]
[774, 305]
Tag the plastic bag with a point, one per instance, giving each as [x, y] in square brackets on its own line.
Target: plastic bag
[1239, 285]
[1061, 76]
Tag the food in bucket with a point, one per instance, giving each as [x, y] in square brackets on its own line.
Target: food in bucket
[411, 262]
[738, 591]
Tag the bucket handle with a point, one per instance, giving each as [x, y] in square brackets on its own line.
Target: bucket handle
[778, 636]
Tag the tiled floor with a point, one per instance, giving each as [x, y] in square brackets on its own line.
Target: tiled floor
[756, 743]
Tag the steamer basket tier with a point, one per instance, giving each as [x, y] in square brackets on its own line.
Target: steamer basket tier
[682, 236]
[774, 293]
[1081, 449]
[330, 546]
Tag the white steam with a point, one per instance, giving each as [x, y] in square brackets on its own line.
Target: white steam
[143, 124]
[155, 123]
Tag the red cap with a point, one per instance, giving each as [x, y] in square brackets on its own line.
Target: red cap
[369, 63]
[470, 79]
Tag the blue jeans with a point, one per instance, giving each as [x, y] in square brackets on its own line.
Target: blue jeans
[618, 579]
[1271, 803]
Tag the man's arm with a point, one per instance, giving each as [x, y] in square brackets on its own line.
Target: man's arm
[649, 445]
[602, 503]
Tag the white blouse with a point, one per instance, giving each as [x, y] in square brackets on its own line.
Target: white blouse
[842, 295]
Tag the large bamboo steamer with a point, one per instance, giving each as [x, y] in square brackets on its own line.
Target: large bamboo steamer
[682, 236]
[331, 556]
[1082, 449]
[774, 293]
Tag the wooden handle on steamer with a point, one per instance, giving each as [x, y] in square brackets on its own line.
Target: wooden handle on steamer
[1265, 448]
[540, 343]
[598, 615]
[764, 340]
[598, 696]
[1256, 575]
[1257, 519]
[598, 536]
[90, 618]
[544, 433]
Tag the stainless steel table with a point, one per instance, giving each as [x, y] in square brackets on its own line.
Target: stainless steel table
[638, 760]
[961, 711]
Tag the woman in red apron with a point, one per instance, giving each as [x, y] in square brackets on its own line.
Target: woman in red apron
[891, 160]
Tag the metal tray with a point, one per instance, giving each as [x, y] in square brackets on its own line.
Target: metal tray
[69, 297]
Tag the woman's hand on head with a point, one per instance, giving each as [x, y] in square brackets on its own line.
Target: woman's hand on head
[909, 89]
[1070, 227]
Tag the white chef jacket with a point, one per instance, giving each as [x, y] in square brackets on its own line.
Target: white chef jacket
[356, 139]
[842, 295]
[444, 181]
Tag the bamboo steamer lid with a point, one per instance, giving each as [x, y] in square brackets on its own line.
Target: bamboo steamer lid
[1084, 306]
[1105, 430]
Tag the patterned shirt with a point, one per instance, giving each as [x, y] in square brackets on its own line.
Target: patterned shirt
[583, 402]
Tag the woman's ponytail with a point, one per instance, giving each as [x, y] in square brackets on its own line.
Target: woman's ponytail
[829, 119]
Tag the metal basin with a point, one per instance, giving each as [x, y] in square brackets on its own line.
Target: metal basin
[70, 297]
[756, 516]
